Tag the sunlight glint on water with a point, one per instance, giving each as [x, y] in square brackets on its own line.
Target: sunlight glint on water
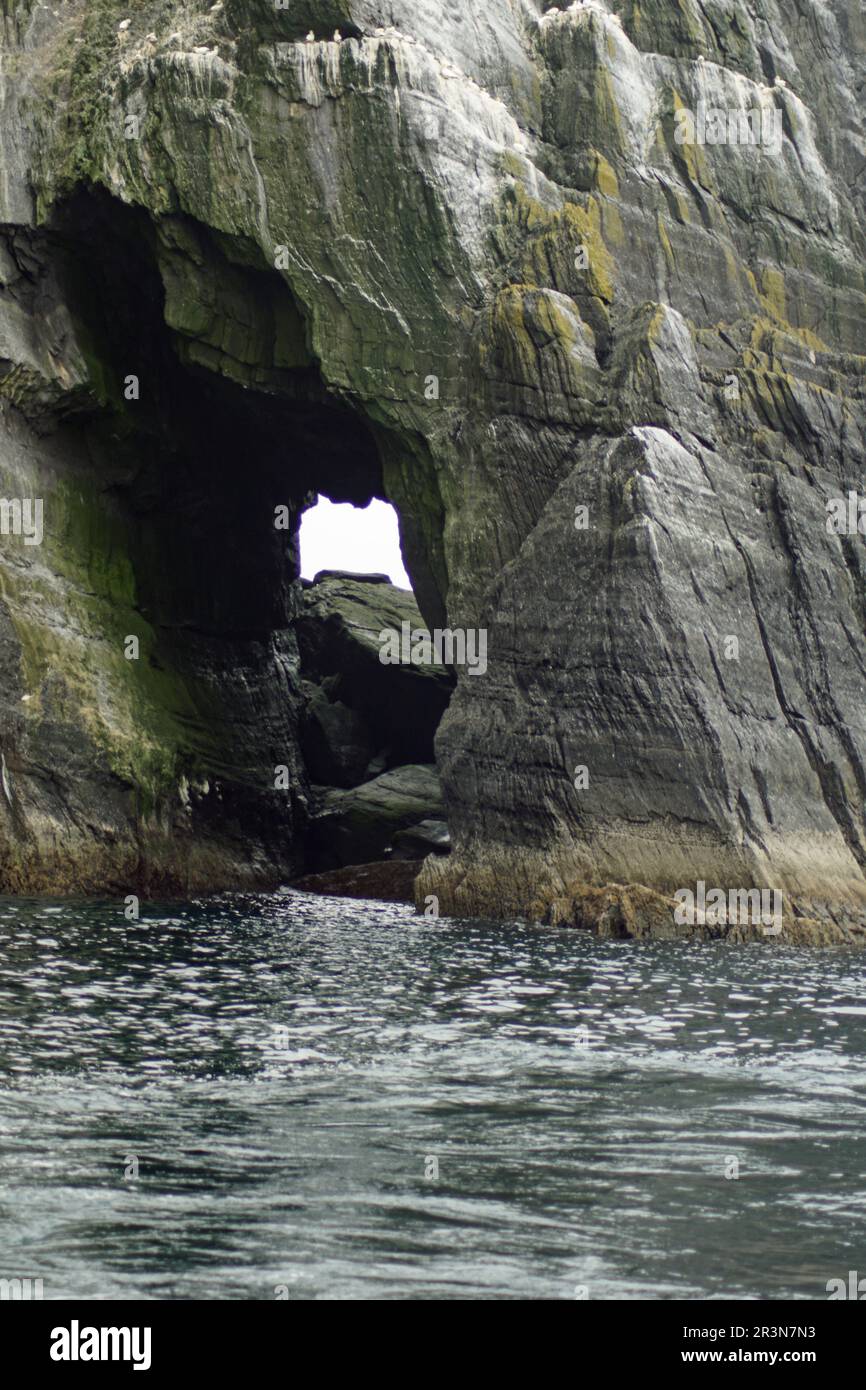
[284, 1068]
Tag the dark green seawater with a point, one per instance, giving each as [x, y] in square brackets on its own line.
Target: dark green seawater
[288, 1072]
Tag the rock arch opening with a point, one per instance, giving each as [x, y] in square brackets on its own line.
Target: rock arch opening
[364, 540]
[226, 703]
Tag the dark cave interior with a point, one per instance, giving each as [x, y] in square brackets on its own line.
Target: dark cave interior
[205, 413]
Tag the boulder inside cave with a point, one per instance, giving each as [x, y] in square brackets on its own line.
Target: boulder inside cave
[367, 729]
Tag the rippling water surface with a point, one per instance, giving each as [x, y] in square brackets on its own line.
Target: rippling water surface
[289, 1071]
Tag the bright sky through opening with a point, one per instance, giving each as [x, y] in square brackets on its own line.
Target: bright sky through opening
[338, 536]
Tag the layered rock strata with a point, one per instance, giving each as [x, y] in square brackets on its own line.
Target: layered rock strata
[460, 256]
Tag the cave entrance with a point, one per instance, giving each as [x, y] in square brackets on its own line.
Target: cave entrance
[279, 743]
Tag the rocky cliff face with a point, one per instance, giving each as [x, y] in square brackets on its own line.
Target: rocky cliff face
[461, 256]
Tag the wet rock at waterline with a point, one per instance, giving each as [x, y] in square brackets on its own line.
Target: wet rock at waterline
[388, 880]
[611, 380]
